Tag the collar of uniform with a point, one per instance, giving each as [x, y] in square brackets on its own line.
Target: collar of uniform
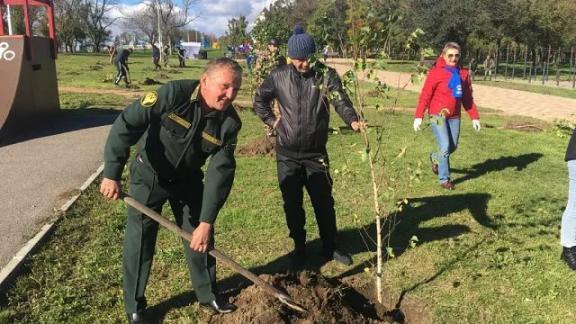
[212, 114]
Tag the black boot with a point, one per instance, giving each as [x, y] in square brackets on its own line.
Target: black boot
[219, 307]
[136, 318]
[298, 257]
[338, 256]
[569, 256]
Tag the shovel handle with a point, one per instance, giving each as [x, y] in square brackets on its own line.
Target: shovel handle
[214, 252]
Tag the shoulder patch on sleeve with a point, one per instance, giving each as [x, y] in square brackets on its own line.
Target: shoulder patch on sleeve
[149, 99]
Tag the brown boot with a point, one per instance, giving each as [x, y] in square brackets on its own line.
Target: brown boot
[447, 185]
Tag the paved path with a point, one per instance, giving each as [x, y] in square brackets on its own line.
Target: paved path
[510, 102]
[40, 170]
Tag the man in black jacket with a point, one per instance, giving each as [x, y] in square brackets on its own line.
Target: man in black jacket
[121, 62]
[303, 94]
[156, 57]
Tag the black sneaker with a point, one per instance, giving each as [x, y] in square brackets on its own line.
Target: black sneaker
[569, 256]
[339, 257]
[298, 258]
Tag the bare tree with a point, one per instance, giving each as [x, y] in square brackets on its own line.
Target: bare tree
[95, 15]
[172, 18]
[143, 20]
[69, 24]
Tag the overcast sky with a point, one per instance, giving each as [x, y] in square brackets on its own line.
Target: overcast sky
[213, 14]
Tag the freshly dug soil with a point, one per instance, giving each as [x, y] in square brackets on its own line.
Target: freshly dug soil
[523, 127]
[326, 301]
[264, 145]
[149, 81]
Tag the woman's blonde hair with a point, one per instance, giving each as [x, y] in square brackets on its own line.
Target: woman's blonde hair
[450, 45]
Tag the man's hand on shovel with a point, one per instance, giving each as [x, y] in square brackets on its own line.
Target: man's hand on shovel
[201, 237]
[110, 188]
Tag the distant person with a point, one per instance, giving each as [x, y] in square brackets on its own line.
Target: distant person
[489, 65]
[248, 50]
[165, 55]
[301, 155]
[447, 88]
[325, 53]
[177, 131]
[181, 56]
[121, 62]
[568, 227]
[473, 68]
[112, 52]
[276, 59]
[268, 60]
[156, 57]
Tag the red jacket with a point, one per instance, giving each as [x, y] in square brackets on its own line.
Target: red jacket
[437, 97]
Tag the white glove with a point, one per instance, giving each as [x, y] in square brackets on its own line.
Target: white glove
[476, 124]
[417, 123]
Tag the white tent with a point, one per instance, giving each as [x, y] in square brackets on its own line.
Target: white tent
[192, 49]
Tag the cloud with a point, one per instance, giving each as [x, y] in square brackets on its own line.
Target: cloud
[213, 15]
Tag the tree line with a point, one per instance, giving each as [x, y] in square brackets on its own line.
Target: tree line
[409, 28]
[90, 22]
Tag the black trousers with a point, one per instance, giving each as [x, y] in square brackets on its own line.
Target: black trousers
[156, 60]
[312, 174]
[122, 72]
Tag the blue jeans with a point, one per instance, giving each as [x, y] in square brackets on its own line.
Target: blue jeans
[568, 228]
[446, 132]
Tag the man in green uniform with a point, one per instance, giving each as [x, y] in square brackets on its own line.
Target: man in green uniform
[176, 132]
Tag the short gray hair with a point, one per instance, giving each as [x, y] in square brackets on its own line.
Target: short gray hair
[450, 45]
[224, 62]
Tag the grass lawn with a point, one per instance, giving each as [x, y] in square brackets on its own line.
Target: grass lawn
[96, 71]
[487, 252]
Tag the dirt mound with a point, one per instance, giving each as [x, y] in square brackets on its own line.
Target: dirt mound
[149, 81]
[523, 127]
[264, 145]
[326, 301]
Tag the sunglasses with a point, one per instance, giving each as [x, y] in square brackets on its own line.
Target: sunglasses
[453, 55]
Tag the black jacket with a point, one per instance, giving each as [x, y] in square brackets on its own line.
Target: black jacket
[123, 56]
[303, 102]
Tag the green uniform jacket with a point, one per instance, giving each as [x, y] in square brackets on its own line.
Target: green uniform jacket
[175, 140]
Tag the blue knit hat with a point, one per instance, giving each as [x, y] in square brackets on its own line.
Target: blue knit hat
[300, 44]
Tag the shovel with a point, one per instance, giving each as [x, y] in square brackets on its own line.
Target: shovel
[282, 297]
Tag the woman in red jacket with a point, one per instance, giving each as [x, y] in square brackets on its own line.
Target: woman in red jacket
[447, 88]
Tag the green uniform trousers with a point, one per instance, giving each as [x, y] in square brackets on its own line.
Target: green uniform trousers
[185, 197]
